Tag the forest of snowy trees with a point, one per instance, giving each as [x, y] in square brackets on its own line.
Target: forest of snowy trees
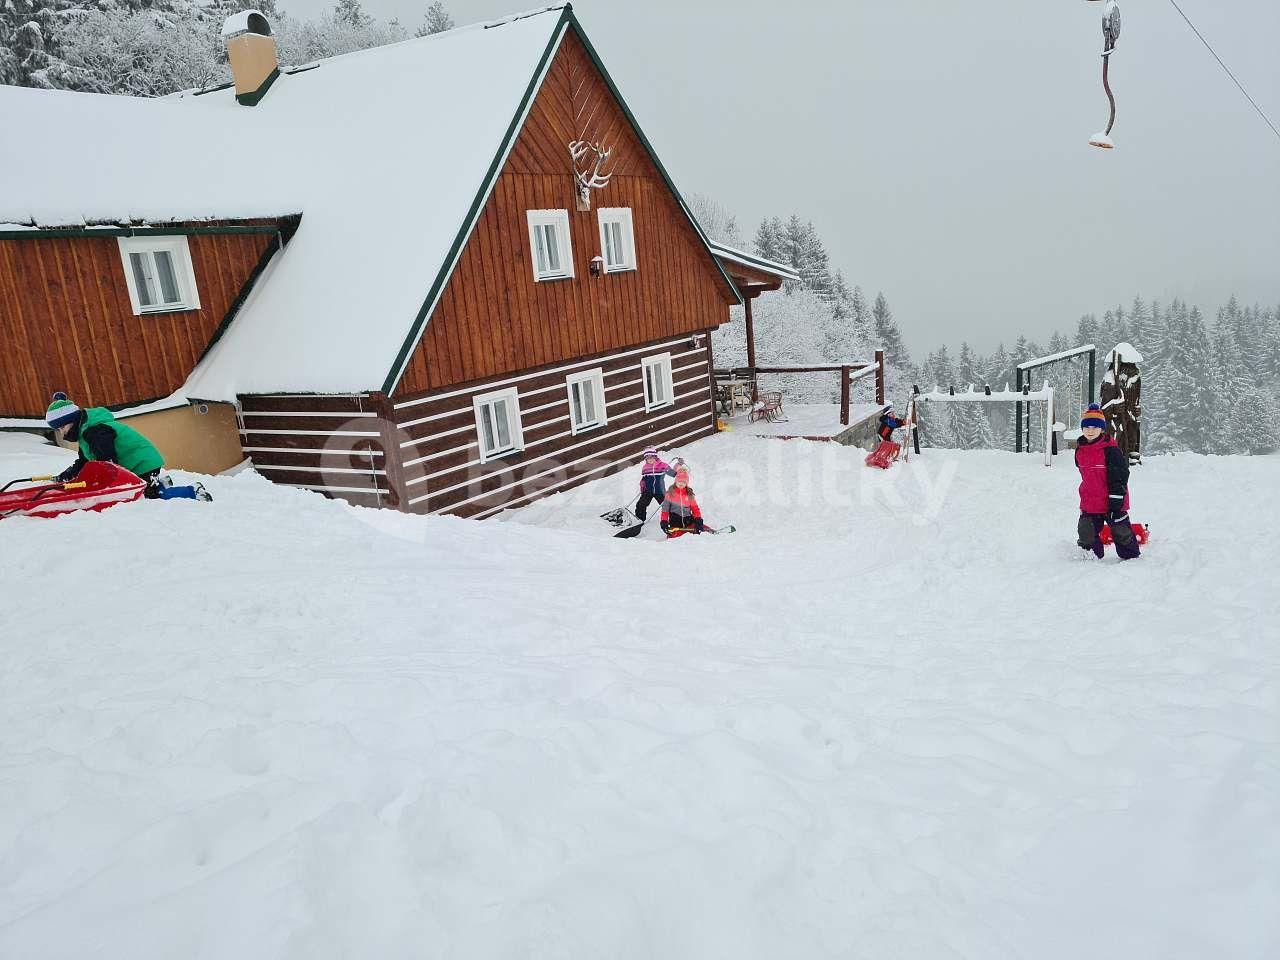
[1207, 387]
[149, 48]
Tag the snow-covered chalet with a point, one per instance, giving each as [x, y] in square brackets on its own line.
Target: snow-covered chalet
[445, 275]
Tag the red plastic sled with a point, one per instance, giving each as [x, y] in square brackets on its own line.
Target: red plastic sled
[99, 485]
[1139, 531]
[883, 455]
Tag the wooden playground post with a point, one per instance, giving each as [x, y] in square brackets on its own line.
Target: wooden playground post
[844, 396]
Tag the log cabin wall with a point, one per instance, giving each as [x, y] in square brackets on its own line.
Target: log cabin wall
[333, 444]
[66, 321]
[436, 433]
[494, 318]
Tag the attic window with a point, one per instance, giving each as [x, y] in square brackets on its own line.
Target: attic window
[159, 275]
[617, 239]
[549, 241]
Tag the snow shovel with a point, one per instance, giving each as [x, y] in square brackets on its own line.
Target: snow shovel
[633, 530]
[618, 515]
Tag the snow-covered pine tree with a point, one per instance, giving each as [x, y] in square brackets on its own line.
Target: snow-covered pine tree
[1087, 330]
[803, 252]
[769, 242]
[1253, 425]
[937, 420]
[350, 12]
[436, 20]
[29, 50]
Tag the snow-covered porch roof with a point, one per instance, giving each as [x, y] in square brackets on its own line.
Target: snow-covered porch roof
[753, 275]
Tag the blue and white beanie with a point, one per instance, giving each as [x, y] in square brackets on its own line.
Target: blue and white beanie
[61, 412]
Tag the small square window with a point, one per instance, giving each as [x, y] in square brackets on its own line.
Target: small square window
[586, 400]
[657, 382]
[549, 241]
[498, 423]
[159, 275]
[617, 239]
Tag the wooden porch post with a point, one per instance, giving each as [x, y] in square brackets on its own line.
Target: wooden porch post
[880, 377]
[751, 345]
[844, 396]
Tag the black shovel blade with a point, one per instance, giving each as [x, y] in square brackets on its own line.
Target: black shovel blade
[631, 531]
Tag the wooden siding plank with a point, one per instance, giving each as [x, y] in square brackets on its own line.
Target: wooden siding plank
[78, 331]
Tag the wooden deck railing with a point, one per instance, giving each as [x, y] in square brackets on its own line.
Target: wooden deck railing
[849, 373]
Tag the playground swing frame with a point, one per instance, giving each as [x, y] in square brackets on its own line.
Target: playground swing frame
[1023, 395]
[1022, 378]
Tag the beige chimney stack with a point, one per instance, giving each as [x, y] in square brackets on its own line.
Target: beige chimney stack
[252, 53]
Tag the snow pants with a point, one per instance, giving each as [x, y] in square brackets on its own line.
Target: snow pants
[158, 490]
[1089, 533]
[647, 497]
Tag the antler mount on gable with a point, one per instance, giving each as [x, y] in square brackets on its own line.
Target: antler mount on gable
[595, 179]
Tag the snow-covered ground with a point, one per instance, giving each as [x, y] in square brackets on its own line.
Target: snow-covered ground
[894, 715]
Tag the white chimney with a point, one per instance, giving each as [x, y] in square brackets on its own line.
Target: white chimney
[252, 53]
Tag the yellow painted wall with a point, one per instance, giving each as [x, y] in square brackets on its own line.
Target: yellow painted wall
[189, 440]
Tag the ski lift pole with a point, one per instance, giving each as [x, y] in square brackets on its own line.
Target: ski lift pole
[1110, 34]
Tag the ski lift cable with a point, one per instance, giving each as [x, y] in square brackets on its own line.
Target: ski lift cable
[1265, 118]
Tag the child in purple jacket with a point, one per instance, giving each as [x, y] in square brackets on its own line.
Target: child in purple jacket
[653, 480]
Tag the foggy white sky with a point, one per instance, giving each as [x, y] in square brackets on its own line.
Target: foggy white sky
[941, 147]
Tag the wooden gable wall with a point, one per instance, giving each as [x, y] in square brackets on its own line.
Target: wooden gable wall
[493, 318]
[66, 322]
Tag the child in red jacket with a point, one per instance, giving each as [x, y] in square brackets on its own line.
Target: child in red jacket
[1104, 488]
[680, 510]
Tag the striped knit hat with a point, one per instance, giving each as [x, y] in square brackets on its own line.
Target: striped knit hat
[649, 452]
[1093, 417]
[61, 412]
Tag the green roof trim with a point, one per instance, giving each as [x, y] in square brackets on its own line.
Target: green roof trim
[567, 21]
[477, 205]
[63, 233]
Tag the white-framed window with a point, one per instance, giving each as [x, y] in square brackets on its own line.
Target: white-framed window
[549, 241]
[617, 239]
[159, 274]
[657, 381]
[586, 400]
[498, 423]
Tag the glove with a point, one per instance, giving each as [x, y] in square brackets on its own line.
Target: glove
[1117, 512]
[67, 475]
[697, 524]
[666, 527]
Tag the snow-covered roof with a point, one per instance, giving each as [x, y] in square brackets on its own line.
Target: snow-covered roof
[1128, 353]
[1054, 357]
[383, 151]
[751, 260]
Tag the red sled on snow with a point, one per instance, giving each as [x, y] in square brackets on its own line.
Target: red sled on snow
[883, 455]
[1139, 532]
[98, 486]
